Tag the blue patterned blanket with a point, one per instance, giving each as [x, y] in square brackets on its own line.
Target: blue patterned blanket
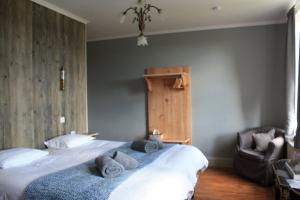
[83, 182]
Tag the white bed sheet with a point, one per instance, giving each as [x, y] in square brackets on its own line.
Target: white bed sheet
[171, 176]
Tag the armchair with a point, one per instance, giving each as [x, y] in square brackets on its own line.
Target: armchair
[257, 165]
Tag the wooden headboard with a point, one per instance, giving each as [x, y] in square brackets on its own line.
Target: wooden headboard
[36, 44]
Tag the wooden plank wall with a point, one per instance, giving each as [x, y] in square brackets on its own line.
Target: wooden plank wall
[35, 43]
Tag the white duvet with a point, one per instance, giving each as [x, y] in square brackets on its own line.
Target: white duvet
[170, 176]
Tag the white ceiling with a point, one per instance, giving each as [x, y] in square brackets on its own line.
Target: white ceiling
[182, 15]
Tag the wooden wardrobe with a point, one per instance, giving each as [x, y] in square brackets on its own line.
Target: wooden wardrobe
[169, 103]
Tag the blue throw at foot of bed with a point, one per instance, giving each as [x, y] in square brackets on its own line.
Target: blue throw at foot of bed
[83, 182]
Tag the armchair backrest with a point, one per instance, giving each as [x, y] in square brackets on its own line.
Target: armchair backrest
[245, 139]
[278, 131]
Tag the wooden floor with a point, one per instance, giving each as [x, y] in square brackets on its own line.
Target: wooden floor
[224, 184]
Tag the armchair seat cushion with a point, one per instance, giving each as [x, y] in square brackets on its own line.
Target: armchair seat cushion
[251, 154]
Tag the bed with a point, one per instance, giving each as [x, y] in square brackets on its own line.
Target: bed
[172, 175]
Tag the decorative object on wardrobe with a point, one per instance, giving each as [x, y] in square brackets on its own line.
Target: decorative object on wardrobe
[141, 16]
[169, 103]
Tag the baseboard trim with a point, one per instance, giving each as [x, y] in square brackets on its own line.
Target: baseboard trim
[220, 162]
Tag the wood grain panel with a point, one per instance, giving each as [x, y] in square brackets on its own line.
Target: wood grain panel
[64, 40]
[75, 94]
[20, 75]
[4, 98]
[17, 115]
[46, 72]
[35, 43]
[169, 109]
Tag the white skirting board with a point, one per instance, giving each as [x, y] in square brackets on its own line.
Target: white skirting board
[220, 162]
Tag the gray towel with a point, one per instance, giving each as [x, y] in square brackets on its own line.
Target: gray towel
[108, 167]
[127, 161]
[146, 146]
[158, 140]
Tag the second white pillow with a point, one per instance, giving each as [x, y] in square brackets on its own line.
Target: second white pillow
[68, 141]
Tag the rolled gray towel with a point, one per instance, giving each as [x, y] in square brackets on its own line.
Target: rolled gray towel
[127, 161]
[158, 140]
[146, 146]
[108, 167]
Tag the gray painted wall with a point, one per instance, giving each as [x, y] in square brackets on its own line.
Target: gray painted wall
[237, 83]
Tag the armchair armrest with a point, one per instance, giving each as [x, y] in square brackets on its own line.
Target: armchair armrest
[244, 139]
[274, 149]
[279, 132]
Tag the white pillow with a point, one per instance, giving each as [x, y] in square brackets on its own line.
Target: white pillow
[68, 141]
[19, 156]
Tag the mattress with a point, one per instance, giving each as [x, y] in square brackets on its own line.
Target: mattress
[171, 176]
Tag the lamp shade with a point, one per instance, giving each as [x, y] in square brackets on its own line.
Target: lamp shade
[122, 19]
[142, 40]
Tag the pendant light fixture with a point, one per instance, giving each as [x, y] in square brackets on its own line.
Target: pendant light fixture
[142, 15]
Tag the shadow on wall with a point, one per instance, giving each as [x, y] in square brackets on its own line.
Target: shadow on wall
[258, 101]
[134, 86]
[249, 86]
[225, 143]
